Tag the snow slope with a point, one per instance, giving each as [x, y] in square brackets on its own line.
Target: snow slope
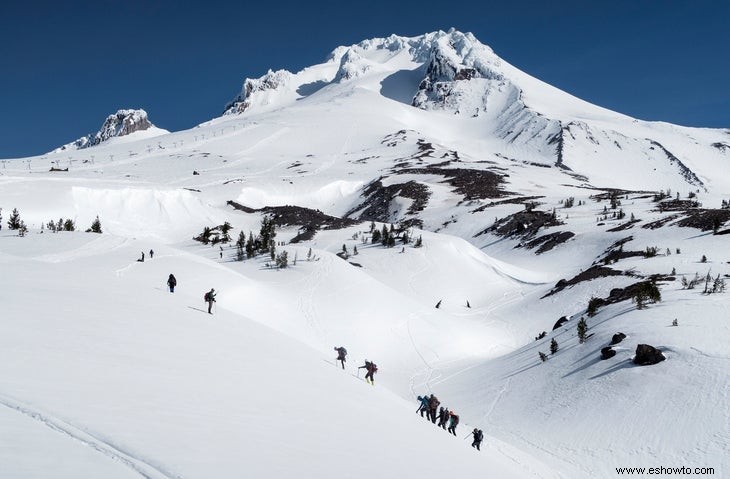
[106, 373]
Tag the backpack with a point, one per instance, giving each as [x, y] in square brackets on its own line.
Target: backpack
[480, 435]
[206, 298]
[373, 367]
[343, 352]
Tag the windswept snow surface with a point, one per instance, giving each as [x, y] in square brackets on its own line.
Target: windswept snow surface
[103, 373]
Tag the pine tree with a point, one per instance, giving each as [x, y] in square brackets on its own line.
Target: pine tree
[225, 228]
[354, 250]
[593, 305]
[14, 220]
[384, 236]
[376, 236]
[553, 346]
[391, 240]
[704, 259]
[419, 242]
[309, 255]
[1, 218]
[95, 226]
[543, 356]
[22, 229]
[267, 233]
[250, 246]
[282, 260]
[646, 292]
[344, 250]
[582, 329]
[272, 250]
[69, 225]
[372, 226]
[241, 246]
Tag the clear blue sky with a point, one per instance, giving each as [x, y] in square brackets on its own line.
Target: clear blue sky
[64, 66]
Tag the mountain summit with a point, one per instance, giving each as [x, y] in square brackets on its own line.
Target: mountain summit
[517, 115]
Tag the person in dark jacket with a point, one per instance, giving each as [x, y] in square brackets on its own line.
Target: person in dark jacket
[341, 354]
[478, 437]
[423, 406]
[172, 282]
[152, 254]
[210, 299]
[453, 422]
[371, 368]
[443, 417]
[433, 405]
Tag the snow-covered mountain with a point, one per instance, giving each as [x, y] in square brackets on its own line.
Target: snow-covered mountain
[120, 124]
[525, 209]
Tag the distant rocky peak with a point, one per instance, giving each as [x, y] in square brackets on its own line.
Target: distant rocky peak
[271, 81]
[121, 123]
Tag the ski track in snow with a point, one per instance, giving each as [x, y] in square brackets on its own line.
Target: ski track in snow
[140, 466]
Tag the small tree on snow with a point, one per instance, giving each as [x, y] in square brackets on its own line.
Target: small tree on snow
[282, 260]
[354, 250]
[582, 330]
[309, 255]
[419, 242]
[593, 305]
[14, 220]
[95, 226]
[22, 229]
[553, 346]
[69, 225]
[225, 228]
[543, 356]
[646, 292]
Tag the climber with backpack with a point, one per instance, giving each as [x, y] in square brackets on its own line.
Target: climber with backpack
[371, 368]
[423, 407]
[171, 282]
[209, 298]
[478, 437]
[433, 404]
[443, 417]
[341, 354]
[453, 422]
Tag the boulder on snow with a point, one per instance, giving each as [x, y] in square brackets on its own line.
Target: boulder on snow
[607, 352]
[617, 338]
[647, 355]
[560, 322]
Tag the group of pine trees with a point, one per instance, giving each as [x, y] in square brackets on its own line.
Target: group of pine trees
[263, 243]
[16, 223]
[216, 234]
[388, 236]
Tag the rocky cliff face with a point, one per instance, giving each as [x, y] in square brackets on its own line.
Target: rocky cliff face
[258, 87]
[121, 123]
